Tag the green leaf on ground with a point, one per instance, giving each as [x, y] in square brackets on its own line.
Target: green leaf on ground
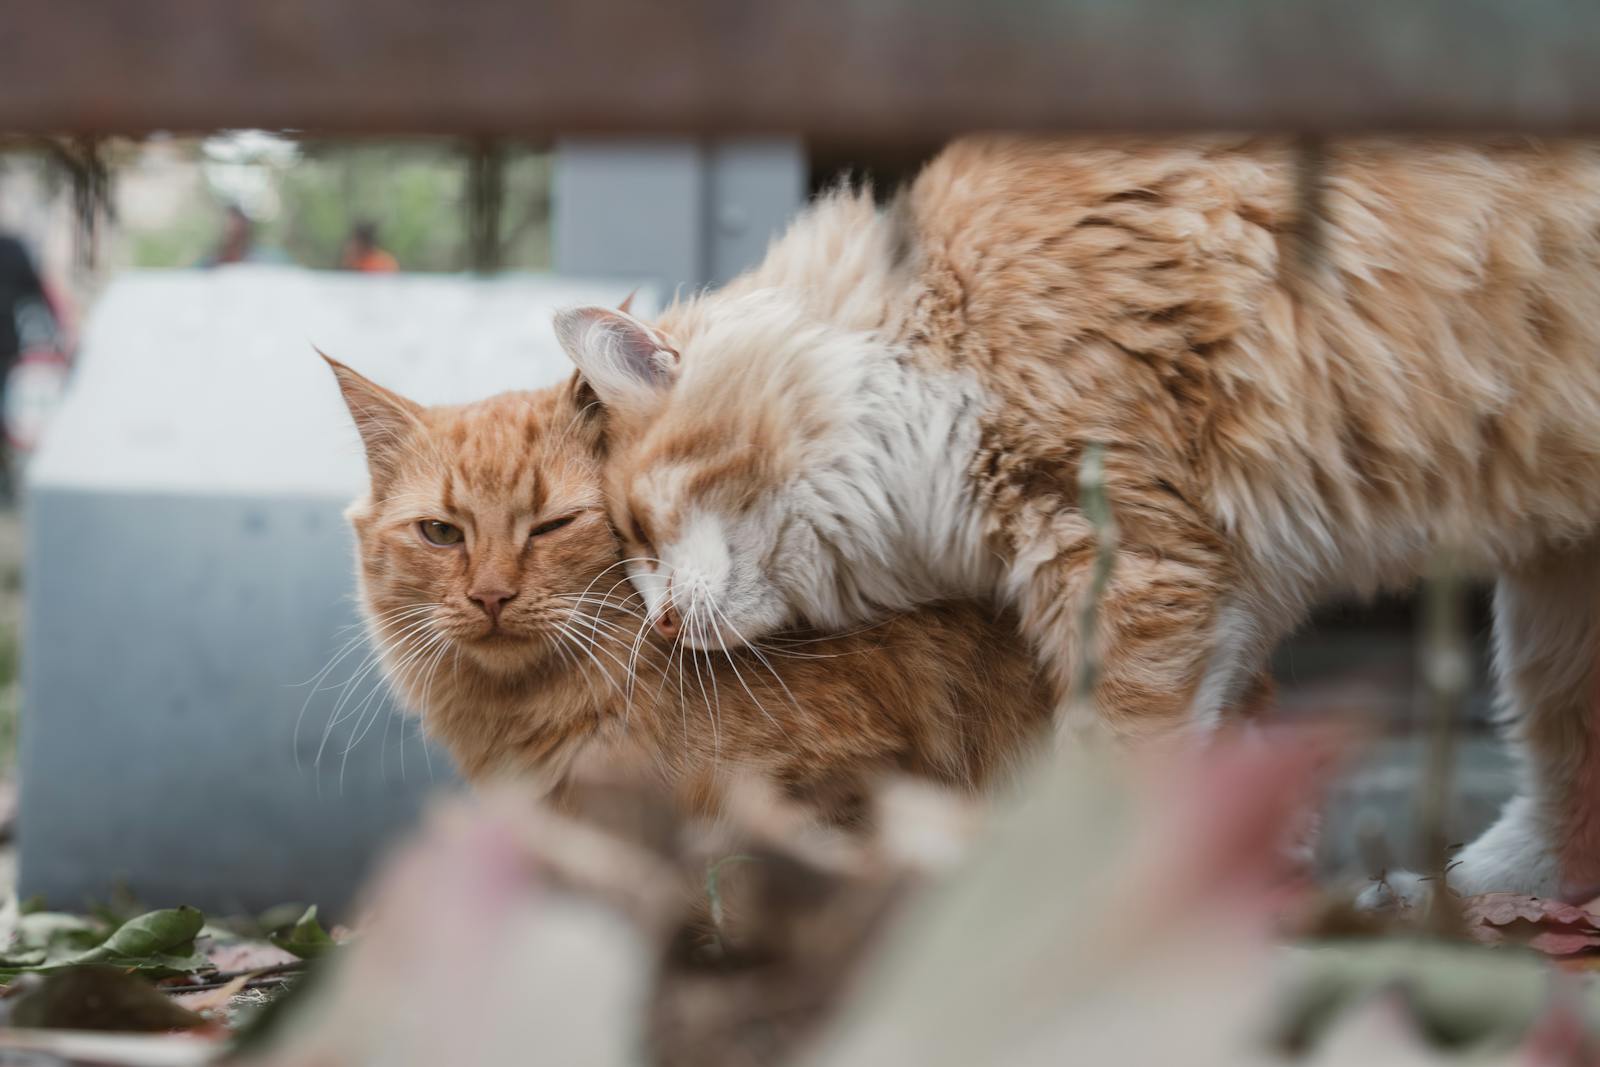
[277, 917]
[1457, 994]
[155, 934]
[49, 937]
[306, 939]
[156, 943]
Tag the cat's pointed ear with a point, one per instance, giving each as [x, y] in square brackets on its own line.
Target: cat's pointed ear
[622, 359]
[385, 419]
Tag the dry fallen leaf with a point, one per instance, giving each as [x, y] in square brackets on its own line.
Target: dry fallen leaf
[213, 999]
[1548, 926]
[231, 956]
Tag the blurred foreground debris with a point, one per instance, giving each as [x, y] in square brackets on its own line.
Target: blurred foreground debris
[596, 936]
[1099, 915]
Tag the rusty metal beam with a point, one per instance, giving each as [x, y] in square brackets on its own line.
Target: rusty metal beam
[885, 71]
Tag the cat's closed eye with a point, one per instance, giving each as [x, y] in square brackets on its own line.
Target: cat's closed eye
[440, 533]
[551, 527]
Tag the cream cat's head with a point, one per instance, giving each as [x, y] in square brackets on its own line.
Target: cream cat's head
[484, 532]
[737, 454]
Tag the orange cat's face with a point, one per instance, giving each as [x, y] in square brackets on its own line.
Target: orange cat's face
[484, 530]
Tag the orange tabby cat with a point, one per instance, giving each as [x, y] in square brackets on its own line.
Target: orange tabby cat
[894, 407]
[487, 571]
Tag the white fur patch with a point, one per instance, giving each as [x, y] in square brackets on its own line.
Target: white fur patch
[699, 558]
[892, 501]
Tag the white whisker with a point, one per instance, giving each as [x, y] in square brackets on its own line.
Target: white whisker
[349, 687]
[756, 652]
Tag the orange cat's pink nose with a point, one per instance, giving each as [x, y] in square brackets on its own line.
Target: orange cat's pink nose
[667, 624]
[491, 601]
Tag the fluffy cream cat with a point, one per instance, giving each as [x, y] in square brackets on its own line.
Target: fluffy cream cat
[894, 406]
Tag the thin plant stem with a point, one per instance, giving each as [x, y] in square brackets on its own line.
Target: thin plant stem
[1095, 504]
[1445, 674]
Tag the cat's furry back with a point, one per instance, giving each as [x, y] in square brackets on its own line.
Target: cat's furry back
[1336, 395]
[1295, 398]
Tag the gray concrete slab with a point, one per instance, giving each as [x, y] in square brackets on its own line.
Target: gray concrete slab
[164, 748]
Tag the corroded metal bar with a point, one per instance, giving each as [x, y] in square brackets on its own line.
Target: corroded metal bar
[892, 71]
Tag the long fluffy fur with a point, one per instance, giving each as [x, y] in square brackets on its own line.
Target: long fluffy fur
[895, 405]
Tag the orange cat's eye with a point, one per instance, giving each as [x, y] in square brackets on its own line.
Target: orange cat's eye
[550, 527]
[637, 533]
[440, 533]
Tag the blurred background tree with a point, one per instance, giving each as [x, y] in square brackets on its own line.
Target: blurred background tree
[306, 196]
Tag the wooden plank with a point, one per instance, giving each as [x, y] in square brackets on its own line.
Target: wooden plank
[881, 71]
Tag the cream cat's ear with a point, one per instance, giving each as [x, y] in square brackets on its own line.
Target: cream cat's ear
[384, 419]
[623, 360]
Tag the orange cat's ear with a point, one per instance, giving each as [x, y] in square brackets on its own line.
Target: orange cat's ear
[385, 419]
[622, 359]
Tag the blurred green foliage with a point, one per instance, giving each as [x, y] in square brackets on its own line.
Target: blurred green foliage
[414, 191]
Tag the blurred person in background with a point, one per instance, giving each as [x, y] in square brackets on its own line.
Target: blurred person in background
[238, 243]
[28, 326]
[20, 287]
[362, 251]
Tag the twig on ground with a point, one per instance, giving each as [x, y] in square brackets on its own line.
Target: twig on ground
[258, 976]
[1444, 679]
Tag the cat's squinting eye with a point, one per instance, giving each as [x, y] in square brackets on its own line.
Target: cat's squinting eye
[550, 527]
[440, 533]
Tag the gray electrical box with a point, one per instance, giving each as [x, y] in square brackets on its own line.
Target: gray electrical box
[682, 213]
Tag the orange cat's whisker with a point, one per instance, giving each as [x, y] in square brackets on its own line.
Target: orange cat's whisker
[379, 622]
[411, 659]
[427, 694]
[351, 685]
[614, 566]
[587, 648]
[402, 669]
[620, 606]
[634, 653]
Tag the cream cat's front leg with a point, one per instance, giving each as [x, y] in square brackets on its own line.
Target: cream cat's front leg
[1163, 625]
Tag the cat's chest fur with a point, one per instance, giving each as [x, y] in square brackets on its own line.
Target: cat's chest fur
[923, 432]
